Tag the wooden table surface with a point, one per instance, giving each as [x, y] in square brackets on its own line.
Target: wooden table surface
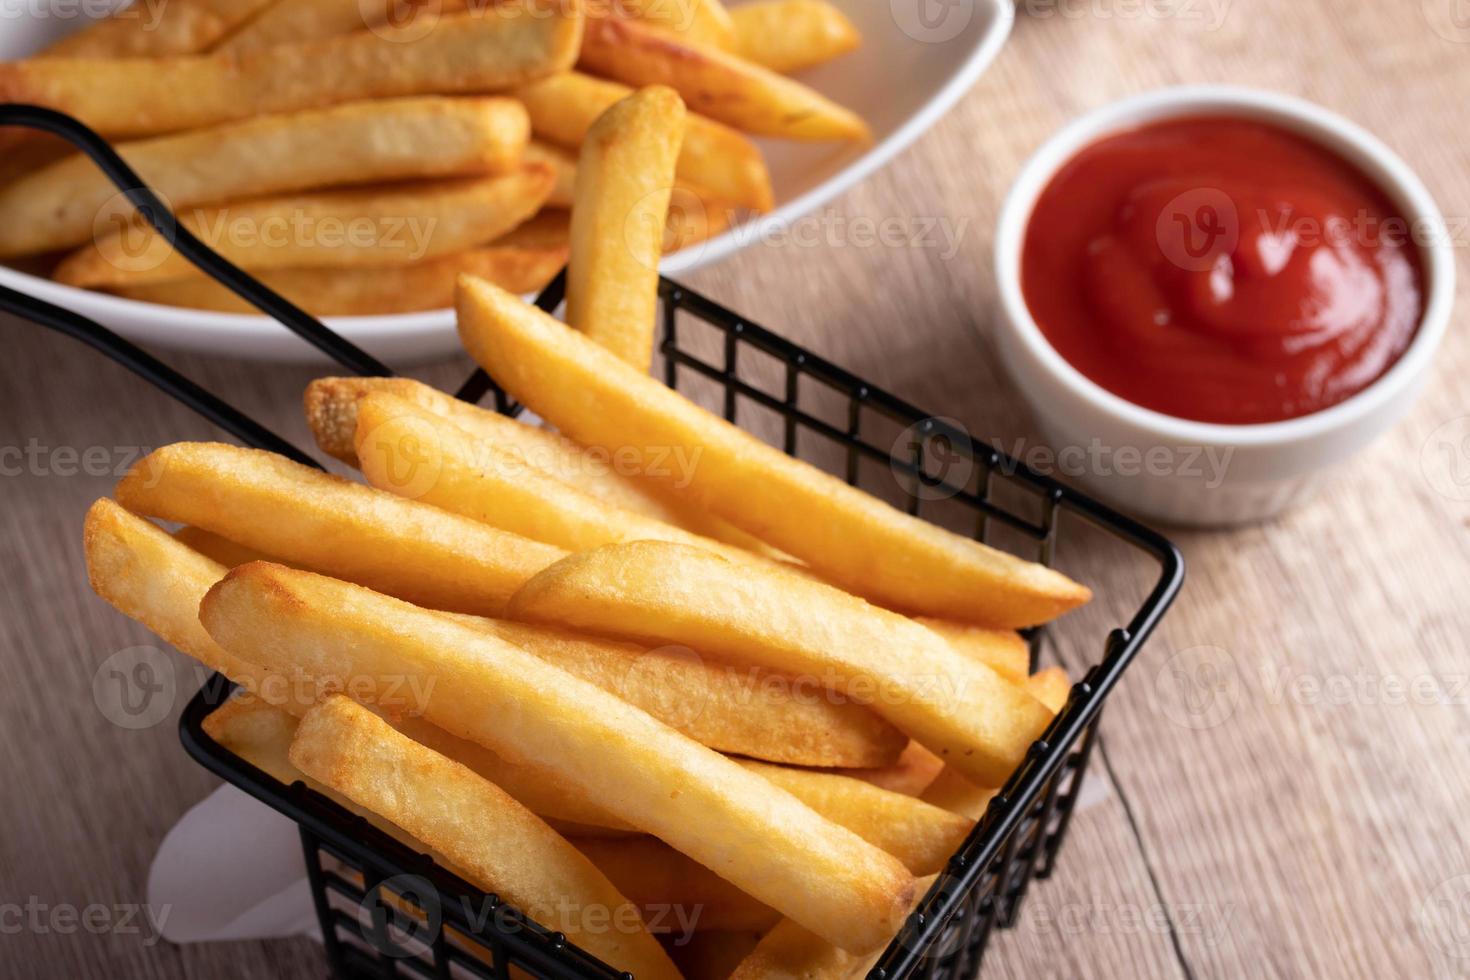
[1283, 777]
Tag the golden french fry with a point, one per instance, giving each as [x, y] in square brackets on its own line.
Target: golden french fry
[503, 847]
[789, 952]
[371, 290]
[563, 164]
[716, 83]
[757, 837]
[789, 35]
[551, 227]
[304, 20]
[714, 158]
[921, 835]
[625, 175]
[692, 219]
[70, 202]
[257, 732]
[154, 30]
[466, 54]
[676, 894]
[479, 480]
[855, 540]
[915, 769]
[218, 549]
[953, 792]
[331, 411]
[706, 21]
[749, 713]
[1003, 651]
[401, 225]
[654, 590]
[276, 506]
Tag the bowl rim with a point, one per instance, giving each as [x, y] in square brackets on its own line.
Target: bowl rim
[1336, 133]
[153, 322]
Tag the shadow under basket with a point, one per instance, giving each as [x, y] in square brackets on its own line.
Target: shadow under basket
[363, 881]
[388, 912]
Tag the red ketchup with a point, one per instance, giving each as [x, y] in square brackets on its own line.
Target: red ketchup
[1221, 270]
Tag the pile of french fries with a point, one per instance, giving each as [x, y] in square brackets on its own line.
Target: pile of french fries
[359, 155]
[600, 686]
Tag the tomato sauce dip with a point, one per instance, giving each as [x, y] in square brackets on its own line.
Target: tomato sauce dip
[1221, 270]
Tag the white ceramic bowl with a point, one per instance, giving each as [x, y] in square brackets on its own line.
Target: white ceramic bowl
[1201, 473]
[908, 73]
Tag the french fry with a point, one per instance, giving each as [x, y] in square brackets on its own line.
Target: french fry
[401, 225]
[915, 769]
[953, 792]
[705, 21]
[464, 54]
[693, 220]
[307, 517]
[788, 36]
[361, 143]
[857, 541]
[748, 713]
[789, 952]
[759, 838]
[331, 411]
[147, 30]
[563, 164]
[502, 846]
[374, 290]
[716, 83]
[480, 481]
[1003, 651]
[921, 835]
[676, 894]
[302, 20]
[719, 161]
[551, 227]
[625, 175]
[218, 549]
[257, 732]
[653, 590]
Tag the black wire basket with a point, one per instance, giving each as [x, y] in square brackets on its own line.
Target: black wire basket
[387, 911]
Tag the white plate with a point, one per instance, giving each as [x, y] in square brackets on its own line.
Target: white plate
[918, 58]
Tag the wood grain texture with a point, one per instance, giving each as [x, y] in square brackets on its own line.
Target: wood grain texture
[1272, 804]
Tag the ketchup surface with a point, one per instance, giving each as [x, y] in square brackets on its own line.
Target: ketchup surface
[1221, 270]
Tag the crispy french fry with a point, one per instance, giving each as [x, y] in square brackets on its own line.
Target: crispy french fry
[302, 20]
[331, 411]
[273, 505]
[625, 175]
[952, 791]
[718, 160]
[478, 480]
[654, 590]
[715, 83]
[149, 30]
[675, 893]
[789, 952]
[921, 835]
[748, 713]
[1003, 651]
[134, 97]
[66, 203]
[759, 838]
[502, 846]
[847, 536]
[374, 290]
[218, 549]
[563, 164]
[915, 769]
[257, 732]
[705, 21]
[789, 35]
[402, 225]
